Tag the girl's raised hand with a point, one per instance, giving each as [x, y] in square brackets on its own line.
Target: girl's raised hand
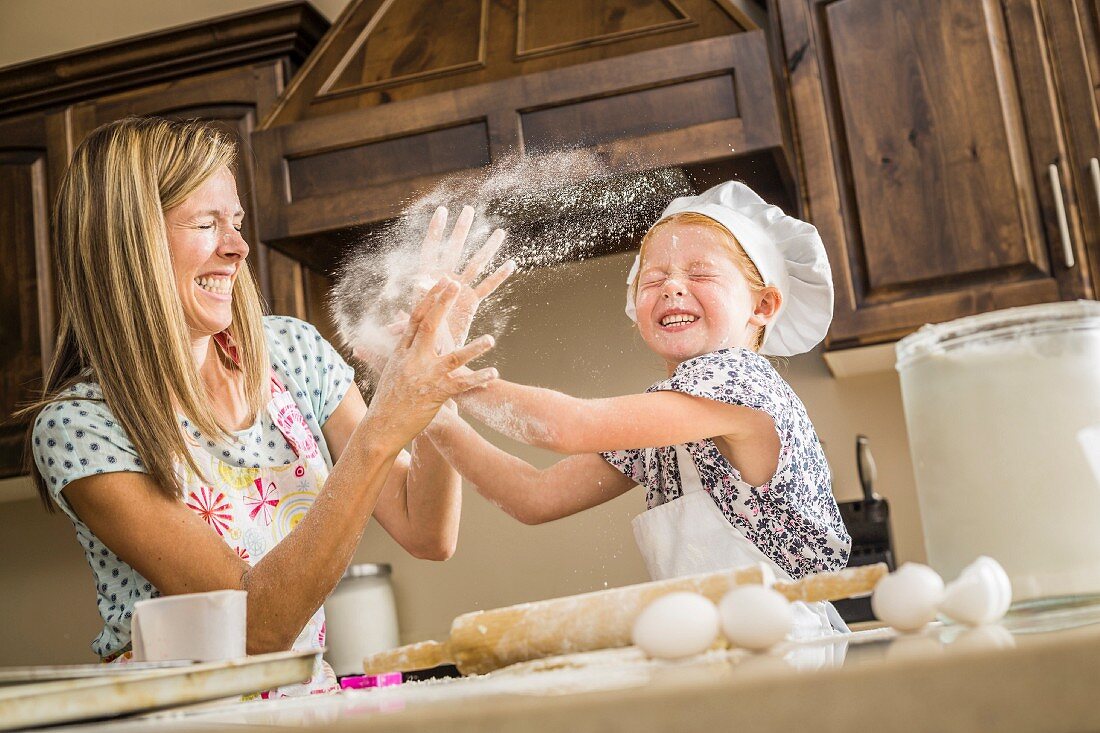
[417, 380]
[439, 258]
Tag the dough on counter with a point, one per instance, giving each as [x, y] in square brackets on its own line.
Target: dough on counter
[755, 617]
[676, 625]
[909, 597]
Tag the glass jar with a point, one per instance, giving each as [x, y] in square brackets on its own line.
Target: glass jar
[994, 404]
[360, 617]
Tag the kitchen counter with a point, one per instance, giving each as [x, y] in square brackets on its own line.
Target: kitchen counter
[1033, 673]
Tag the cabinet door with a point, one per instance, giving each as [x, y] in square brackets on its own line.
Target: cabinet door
[926, 131]
[1073, 30]
[234, 99]
[26, 296]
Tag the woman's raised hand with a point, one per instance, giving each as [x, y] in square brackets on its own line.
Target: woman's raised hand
[418, 379]
[441, 258]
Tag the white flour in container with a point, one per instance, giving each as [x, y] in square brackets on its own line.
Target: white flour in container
[992, 426]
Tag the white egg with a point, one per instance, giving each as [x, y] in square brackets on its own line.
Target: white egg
[980, 595]
[908, 598]
[755, 617]
[676, 625]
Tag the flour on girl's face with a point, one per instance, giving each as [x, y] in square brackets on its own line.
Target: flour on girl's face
[691, 299]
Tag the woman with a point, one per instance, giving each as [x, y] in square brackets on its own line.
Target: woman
[185, 435]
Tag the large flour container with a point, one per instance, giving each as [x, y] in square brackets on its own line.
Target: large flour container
[993, 404]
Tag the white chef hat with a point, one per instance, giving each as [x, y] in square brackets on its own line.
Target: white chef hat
[787, 251]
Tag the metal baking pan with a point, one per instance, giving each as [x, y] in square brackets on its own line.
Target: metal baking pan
[70, 700]
[52, 673]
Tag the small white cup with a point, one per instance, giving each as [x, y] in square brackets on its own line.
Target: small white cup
[204, 627]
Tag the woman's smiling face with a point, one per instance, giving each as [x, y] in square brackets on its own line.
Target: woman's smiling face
[207, 250]
[692, 299]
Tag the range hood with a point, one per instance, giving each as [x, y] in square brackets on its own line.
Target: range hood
[403, 94]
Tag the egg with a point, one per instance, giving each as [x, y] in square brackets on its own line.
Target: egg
[676, 625]
[908, 598]
[755, 617]
[980, 595]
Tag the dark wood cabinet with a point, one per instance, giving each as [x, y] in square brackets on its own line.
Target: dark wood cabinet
[230, 70]
[941, 149]
[395, 102]
[1072, 32]
[28, 154]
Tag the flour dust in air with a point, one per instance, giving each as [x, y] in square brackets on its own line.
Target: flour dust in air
[556, 207]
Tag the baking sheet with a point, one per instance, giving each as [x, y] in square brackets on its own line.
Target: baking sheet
[66, 701]
[48, 673]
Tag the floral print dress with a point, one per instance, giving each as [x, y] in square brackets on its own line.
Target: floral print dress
[793, 518]
[254, 489]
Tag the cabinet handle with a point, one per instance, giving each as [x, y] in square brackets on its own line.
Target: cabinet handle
[1094, 169]
[1060, 208]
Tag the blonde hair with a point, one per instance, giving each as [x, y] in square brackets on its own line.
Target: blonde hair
[122, 323]
[734, 249]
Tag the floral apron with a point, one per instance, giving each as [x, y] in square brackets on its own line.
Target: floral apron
[253, 509]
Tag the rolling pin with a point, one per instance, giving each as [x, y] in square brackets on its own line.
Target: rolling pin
[482, 641]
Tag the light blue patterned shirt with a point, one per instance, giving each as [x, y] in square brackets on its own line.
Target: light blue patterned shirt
[80, 437]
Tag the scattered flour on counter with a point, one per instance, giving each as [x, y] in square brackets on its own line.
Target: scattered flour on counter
[608, 669]
[602, 670]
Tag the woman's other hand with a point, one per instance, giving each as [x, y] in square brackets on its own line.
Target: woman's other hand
[439, 258]
[418, 379]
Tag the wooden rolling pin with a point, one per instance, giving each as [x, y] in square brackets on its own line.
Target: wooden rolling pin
[482, 641]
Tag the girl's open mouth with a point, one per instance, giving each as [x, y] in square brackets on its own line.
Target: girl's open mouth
[677, 321]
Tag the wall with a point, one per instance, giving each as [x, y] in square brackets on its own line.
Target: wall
[567, 332]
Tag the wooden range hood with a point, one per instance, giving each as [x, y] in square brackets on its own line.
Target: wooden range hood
[401, 94]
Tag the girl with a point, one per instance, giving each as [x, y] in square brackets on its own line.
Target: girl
[733, 470]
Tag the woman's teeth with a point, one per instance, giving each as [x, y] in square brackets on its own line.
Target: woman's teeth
[222, 285]
[677, 319]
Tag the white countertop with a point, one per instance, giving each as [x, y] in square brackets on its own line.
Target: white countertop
[1033, 673]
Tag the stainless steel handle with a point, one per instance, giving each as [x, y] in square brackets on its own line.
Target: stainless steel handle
[1094, 169]
[1060, 208]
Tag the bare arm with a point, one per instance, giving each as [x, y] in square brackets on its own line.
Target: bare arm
[286, 586]
[172, 547]
[529, 494]
[433, 506]
[550, 419]
[421, 501]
